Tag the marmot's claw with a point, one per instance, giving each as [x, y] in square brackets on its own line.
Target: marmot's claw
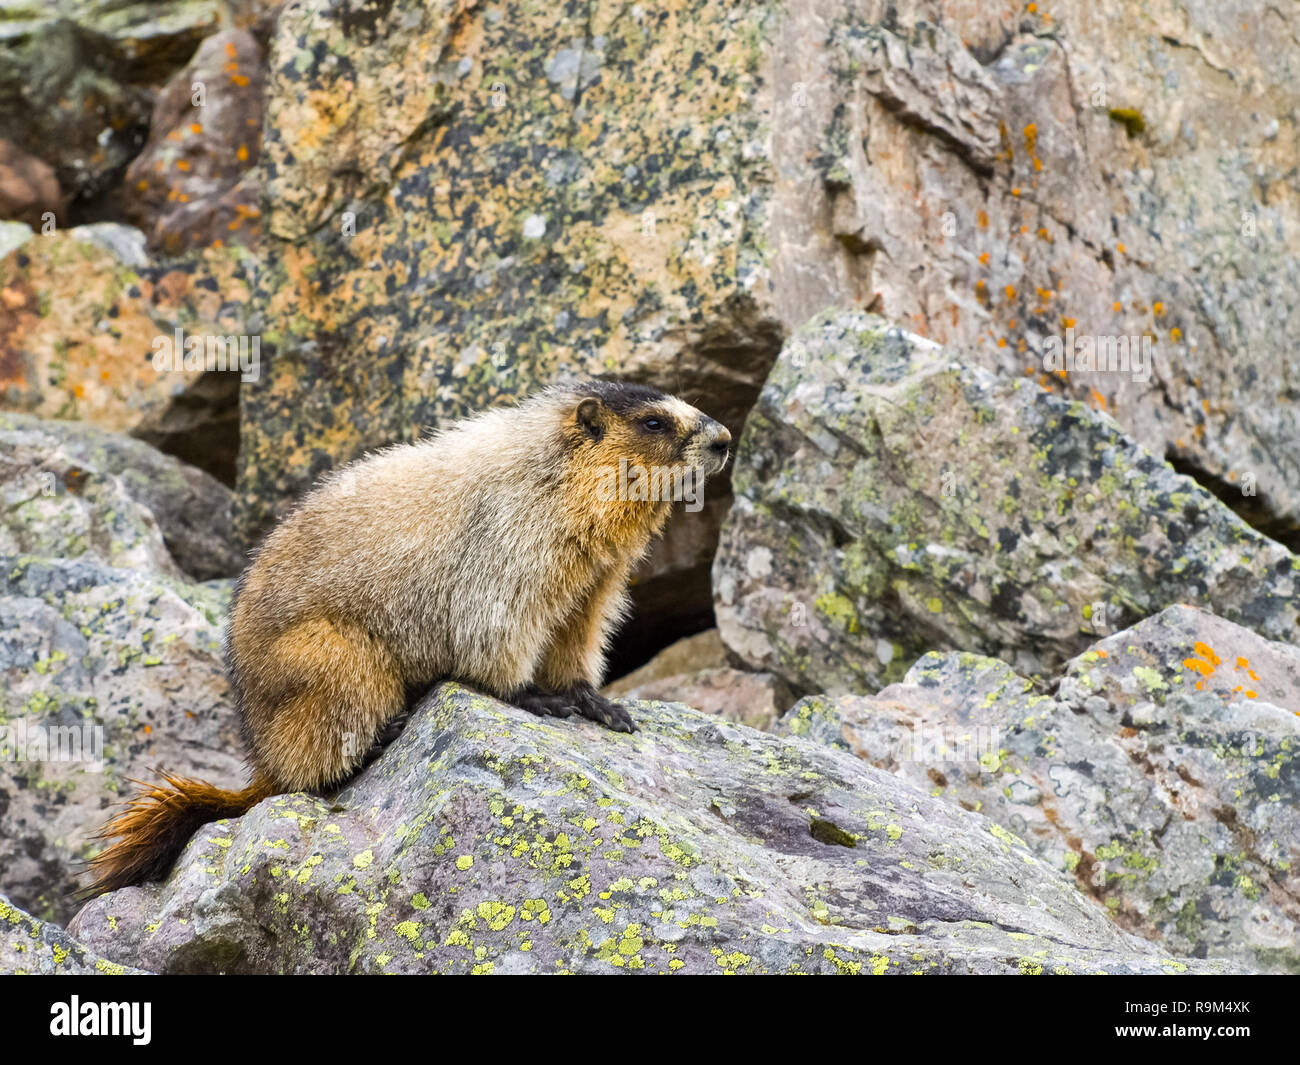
[595, 707]
[545, 705]
[581, 699]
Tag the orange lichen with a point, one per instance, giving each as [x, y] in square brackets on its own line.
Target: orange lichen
[1207, 652]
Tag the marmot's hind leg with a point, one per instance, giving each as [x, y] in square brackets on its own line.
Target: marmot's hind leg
[342, 689]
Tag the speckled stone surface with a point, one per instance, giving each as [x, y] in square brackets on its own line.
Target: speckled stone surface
[130, 662]
[1163, 774]
[1000, 174]
[488, 840]
[892, 500]
[80, 310]
[31, 947]
[500, 193]
[110, 657]
[70, 490]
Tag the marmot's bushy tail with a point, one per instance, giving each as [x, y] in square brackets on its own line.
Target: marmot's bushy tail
[153, 828]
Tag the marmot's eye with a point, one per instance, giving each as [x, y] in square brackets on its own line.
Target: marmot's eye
[652, 425]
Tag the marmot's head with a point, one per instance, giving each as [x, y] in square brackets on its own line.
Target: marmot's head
[641, 445]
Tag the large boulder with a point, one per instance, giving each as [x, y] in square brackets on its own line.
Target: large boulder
[489, 840]
[1011, 177]
[1163, 774]
[892, 499]
[84, 312]
[110, 659]
[70, 489]
[29, 947]
[105, 674]
[192, 185]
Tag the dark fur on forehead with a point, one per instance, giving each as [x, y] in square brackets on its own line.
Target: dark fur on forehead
[621, 397]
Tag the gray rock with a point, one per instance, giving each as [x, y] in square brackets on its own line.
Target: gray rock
[124, 243]
[70, 490]
[996, 179]
[29, 946]
[104, 674]
[892, 500]
[1163, 775]
[487, 840]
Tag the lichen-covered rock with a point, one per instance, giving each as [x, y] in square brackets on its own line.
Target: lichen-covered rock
[104, 674]
[892, 500]
[498, 194]
[69, 490]
[29, 947]
[191, 185]
[154, 37]
[488, 840]
[1164, 774]
[1003, 174]
[69, 96]
[81, 311]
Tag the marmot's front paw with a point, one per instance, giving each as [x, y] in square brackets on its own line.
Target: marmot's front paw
[595, 707]
[545, 704]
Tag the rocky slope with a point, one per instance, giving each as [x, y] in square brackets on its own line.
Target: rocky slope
[487, 840]
[1162, 772]
[110, 657]
[891, 500]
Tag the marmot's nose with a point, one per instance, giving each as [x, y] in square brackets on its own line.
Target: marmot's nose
[719, 436]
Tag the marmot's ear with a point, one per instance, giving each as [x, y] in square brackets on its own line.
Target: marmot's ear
[591, 418]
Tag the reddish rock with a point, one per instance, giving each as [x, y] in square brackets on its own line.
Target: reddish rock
[192, 185]
[29, 188]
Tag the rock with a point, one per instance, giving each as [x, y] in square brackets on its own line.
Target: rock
[116, 672]
[29, 191]
[71, 490]
[754, 699]
[191, 185]
[82, 315]
[1163, 774]
[891, 500]
[488, 840]
[704, 650]
[68, 96]
[1001, 179]
[154, 37]
[492, 199]
[29, 946]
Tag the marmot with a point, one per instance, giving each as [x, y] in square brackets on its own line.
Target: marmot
[496, 552]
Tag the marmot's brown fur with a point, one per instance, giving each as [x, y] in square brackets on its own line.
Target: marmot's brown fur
[496, 552]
